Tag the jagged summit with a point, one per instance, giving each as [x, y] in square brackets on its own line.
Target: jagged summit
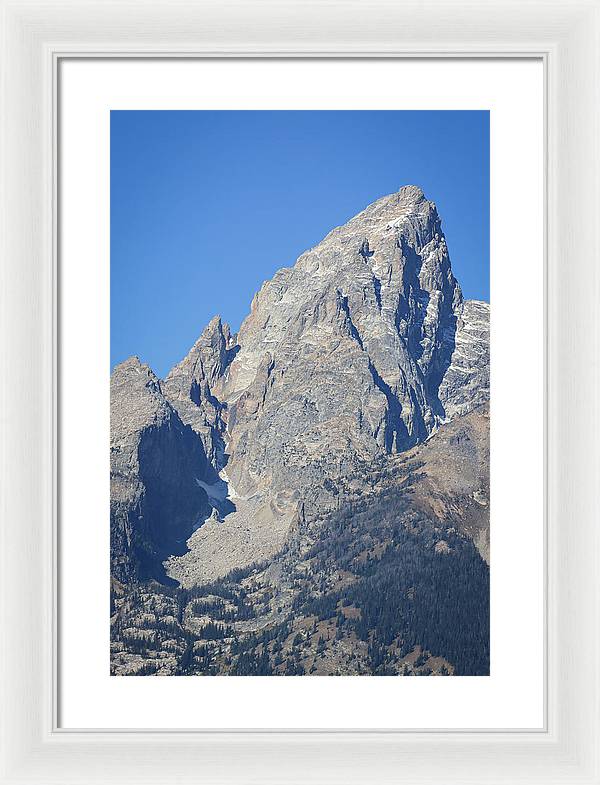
[409, 202]
[134, 369]
[130, 362]
[135, 397]
[191, 385]
[414, 192]
[361, 330]
[208, 356]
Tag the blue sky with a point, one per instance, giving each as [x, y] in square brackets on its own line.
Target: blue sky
[205, 206]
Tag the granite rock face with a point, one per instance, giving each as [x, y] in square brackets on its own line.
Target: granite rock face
[466, 383]
[343, 354]
[363, 349]
[190, 385]
[155, 461]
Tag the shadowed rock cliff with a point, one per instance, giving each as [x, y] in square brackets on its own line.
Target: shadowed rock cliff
[156, 461]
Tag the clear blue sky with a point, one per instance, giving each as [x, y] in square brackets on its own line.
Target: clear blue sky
[205, 206]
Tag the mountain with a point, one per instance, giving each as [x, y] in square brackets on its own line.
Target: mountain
[359, 361]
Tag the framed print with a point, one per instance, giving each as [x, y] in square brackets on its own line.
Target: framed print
[300, 325]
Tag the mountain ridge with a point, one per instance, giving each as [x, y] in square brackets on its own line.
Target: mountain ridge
[361, 359]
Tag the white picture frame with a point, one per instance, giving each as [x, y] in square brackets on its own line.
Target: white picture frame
[35, 36]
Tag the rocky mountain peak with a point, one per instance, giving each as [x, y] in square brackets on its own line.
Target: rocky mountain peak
[136, 398]
[361, 329]
[362, 349]
[390, 263]
[206, 360]
[135, 373]
[192, 386]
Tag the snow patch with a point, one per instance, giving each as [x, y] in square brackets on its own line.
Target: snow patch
[216, 492]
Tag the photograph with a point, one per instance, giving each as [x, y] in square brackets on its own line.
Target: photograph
[299, 393]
